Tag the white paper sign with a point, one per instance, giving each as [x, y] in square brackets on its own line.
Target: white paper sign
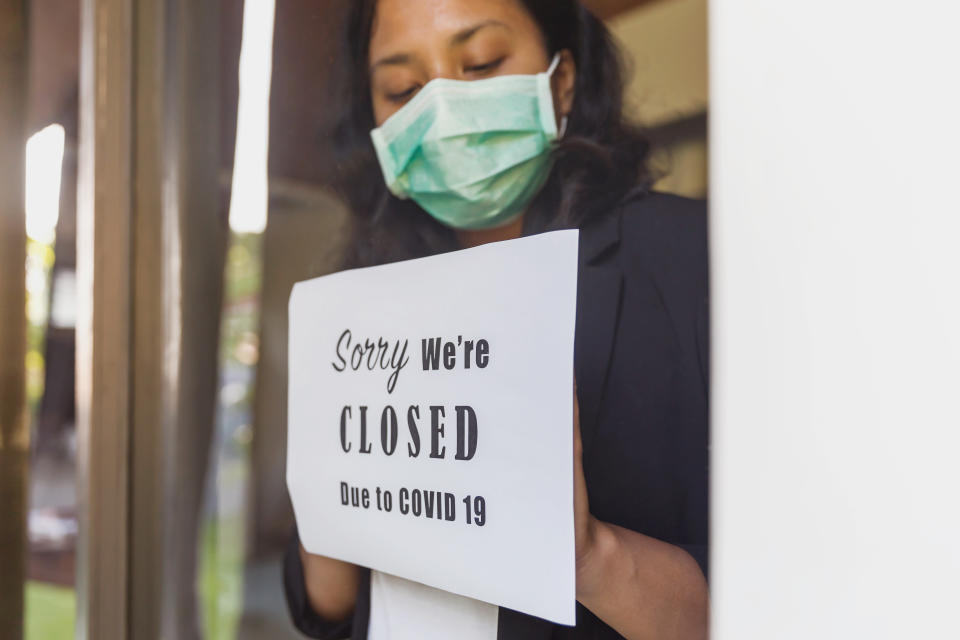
[405, 610]
[430, 420]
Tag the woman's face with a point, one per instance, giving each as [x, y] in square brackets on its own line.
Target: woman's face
[416, 41]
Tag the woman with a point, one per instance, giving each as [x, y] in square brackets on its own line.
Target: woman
[422, 178]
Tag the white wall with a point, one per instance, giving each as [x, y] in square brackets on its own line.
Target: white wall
[835, 195]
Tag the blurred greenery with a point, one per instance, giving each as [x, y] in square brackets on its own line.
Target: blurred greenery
[221, 577]
[40, 259]
[50, 612]
[220, 582]
[50, 609]
[243, 267]
[240, 325]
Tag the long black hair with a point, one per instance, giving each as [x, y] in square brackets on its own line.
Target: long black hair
[601, 160]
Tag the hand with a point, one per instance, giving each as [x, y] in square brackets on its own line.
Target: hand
[642, 587]
[331, 585]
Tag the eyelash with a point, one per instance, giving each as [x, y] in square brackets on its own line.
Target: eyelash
[489, 66]
[402, 96]
[479, 68]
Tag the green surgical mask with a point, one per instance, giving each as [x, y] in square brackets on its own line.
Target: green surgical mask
[473, 154]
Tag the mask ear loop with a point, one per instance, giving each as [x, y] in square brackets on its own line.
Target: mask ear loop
[553, 64]
[564, 120]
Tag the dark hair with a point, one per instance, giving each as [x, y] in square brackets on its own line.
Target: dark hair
[601, 160]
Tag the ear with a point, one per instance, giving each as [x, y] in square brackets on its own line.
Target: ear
[564, 82]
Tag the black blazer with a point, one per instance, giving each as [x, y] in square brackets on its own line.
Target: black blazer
[641, 364]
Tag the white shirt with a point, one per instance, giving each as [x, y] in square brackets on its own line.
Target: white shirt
[405, 610]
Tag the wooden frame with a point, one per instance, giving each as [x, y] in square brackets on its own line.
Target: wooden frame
[14, 427]
[104, 256]
[150, 246]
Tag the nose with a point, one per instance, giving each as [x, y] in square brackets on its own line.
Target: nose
[442, 66]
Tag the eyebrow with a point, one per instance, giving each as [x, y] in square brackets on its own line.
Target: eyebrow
[398, 58]
[462, 36]
[458, 38]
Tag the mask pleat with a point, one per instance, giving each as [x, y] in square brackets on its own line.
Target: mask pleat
[471, 153]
